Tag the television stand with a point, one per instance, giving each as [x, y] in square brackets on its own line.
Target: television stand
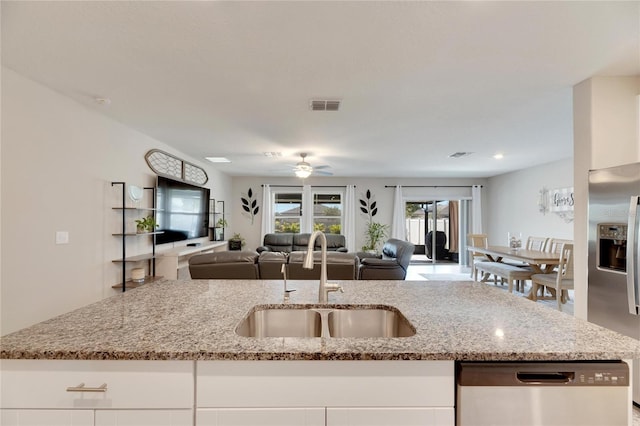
[168, 262]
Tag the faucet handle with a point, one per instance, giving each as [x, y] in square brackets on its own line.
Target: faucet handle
[334, 287]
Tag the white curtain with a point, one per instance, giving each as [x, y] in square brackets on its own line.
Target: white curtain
[399, 224]
[349, 231]
[476, 209]
[307, 210]
[267, 207]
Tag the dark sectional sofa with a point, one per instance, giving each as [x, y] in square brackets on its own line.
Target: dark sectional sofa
[268, 264]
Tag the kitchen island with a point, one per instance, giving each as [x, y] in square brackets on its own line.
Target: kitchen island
[184, 331]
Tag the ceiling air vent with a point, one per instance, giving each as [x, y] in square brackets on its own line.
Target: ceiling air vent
[460, 154]
[324, 105]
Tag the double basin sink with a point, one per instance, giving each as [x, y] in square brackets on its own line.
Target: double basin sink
[325, 321]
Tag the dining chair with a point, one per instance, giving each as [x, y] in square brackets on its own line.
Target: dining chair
[561, 280]
[477, 240]
[554, 245]
[537, 243]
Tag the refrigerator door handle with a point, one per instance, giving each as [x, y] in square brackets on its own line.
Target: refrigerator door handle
[633, 257]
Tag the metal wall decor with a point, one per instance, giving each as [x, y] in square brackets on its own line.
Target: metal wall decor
[163, 163]
[368, 206]
[250, 205]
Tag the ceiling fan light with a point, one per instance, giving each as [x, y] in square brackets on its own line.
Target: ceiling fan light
[303, 171]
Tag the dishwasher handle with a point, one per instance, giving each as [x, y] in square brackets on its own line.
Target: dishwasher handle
[535, 378]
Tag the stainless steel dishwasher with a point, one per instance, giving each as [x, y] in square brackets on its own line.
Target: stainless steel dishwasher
[543, 394]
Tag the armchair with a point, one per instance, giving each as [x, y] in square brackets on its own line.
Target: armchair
[392, 265]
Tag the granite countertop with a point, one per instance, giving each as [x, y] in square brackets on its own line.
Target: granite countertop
[195, 320]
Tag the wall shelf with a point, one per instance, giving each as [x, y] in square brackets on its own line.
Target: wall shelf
[132, 284]
[126, 214]
[217, 213]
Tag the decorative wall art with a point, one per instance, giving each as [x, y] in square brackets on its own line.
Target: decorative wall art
[559, 201]
[249, 205]
[163, 163]
[368, 206]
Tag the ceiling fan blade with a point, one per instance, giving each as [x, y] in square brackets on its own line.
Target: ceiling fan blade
[322, 167]
[322, 172]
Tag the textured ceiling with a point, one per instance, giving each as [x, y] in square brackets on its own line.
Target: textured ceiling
[418, 80]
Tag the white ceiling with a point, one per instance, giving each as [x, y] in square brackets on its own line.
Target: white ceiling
[418, 80]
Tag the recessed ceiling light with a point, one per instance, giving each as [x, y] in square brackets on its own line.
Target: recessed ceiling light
[102, 101]
[498, 156]
[218, 159]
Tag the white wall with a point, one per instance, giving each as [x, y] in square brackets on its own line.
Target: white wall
[240, 222]
[513, 203]
[58, 161]
[606, 127]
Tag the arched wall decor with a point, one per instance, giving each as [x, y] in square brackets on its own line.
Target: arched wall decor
[163, 163]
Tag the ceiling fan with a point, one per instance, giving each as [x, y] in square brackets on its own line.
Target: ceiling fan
[303, 169]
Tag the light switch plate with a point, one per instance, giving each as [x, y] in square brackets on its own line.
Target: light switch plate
[62, 237]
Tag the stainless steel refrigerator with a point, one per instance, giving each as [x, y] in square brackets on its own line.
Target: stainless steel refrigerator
[614, 253]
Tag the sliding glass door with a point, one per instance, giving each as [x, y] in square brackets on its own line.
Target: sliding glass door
[434, 227]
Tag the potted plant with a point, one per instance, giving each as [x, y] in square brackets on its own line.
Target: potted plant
[219, 229]
[146, 224]
[374, 234]
[236, 242]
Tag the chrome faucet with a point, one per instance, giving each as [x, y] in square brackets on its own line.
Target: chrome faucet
[325, 288]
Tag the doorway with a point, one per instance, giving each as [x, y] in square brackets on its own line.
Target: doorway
[433, 226]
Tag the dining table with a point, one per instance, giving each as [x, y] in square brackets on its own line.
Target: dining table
[541, 262]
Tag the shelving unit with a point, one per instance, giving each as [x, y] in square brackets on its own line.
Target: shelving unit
[127, 213]
[217, 213]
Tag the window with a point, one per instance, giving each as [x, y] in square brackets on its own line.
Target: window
[326, 211]
[288, 212]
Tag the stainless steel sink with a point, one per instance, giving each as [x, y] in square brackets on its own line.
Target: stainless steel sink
[280, 322]
[325, 321]
[374, 322]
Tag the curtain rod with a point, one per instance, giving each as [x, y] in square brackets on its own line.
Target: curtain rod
[433, 186]
[300, 186]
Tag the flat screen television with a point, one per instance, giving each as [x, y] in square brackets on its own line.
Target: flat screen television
[182, 211]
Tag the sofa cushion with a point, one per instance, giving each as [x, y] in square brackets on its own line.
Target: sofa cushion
[287, 242]
[340, 266]
[224, 265]
[270, 265]
[277, 242]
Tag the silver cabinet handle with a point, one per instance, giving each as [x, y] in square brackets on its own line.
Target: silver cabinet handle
[82, 388]
[633, 257]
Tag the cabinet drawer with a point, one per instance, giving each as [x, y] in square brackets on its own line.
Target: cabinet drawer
[325, 383]
[47, 417]
[129, 384]
[261, 416]
[381, 416]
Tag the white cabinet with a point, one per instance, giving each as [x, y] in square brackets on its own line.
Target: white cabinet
[46, 417]
[261, 416]
[70, 390]
[354, 393]
[390, 416]
[144, 418]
